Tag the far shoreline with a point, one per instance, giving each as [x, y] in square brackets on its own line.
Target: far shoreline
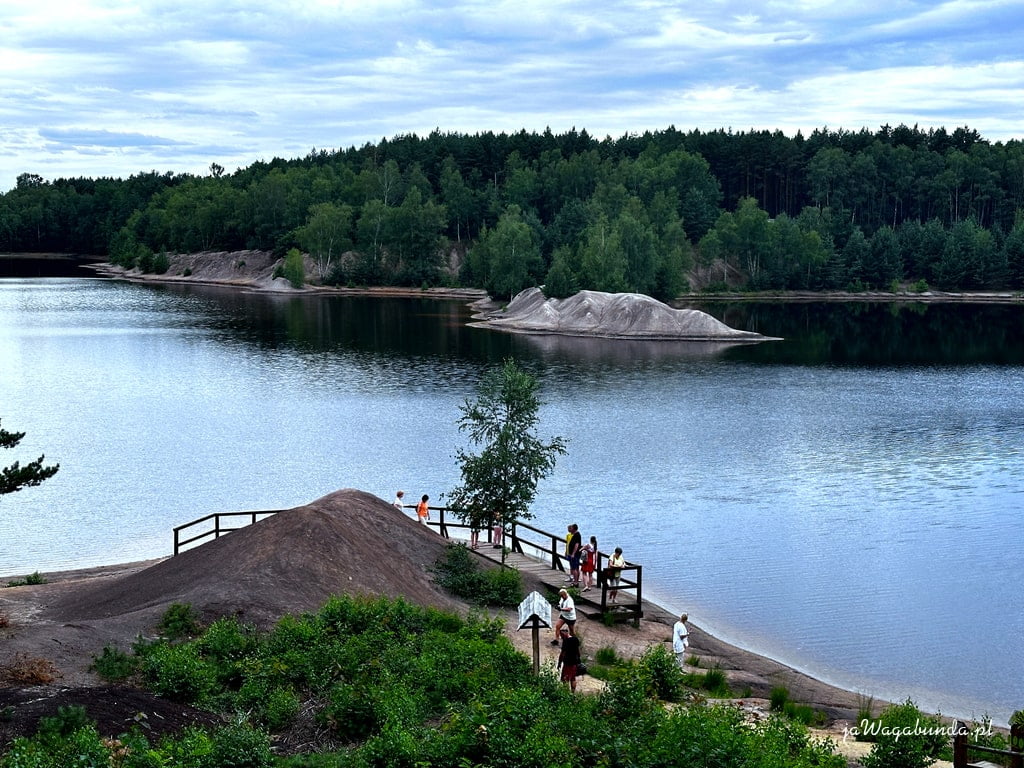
[279, 285]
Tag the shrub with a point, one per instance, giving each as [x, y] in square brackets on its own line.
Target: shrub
[179, 621]
[239, 745]
[662, 673]
[715, 682]
[64, 723]
[904, 738]
[294, 270]
[51, 747]
[626, 697]
[29, 670]
[161, 263]
[606, 655]
[779, 697]
[114, 665]
[459, 573]
[31, 579]
[802, 713]
[178, 672]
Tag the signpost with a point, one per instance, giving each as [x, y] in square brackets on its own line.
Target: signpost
[535, 612]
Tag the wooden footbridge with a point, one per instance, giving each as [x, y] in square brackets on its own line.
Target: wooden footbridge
[525, 548]
[542, 555]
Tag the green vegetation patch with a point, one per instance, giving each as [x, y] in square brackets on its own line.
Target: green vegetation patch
[374, 682]
[458, 572]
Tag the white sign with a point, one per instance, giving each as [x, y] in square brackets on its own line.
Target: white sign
[534, 606]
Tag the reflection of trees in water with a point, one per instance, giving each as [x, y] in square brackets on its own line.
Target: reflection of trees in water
[621, 351]
[813, 333]
[864, 333]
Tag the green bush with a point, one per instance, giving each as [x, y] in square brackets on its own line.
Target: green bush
[294, 270]
[114, 665]
[32, 578]
[778, 698]
[904, 738]
[179, 673]
[179, 621]
[658, 666]
[239, 745]
[458, 572]
[405, 686]
[161, 263]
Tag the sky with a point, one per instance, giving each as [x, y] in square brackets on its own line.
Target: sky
[112, 88]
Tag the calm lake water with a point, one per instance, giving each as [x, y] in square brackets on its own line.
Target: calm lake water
[847, 501]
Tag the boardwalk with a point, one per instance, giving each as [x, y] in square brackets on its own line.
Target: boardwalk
[541, 554]
[528, 549]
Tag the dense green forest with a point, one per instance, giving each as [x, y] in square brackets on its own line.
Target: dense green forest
[756, 210]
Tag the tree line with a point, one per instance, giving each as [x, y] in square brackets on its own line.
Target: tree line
[644, 212]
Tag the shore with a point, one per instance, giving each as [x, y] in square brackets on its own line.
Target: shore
[73, 644]
[258, 277]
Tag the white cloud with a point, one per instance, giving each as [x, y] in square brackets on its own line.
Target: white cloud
[238, 81]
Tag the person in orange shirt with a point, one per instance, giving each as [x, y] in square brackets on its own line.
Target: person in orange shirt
[422, 511]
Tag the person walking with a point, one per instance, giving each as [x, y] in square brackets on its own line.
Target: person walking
[615, 565]
[399, 502]
[422, 510]
[566, 614]
[588, 563]
[680, 640]
[569, 658]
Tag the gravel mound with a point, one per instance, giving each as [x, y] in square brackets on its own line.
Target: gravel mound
[611, 315]
[349, 542]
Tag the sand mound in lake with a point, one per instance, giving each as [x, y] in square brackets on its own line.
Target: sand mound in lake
[610, 315]
[349, 542]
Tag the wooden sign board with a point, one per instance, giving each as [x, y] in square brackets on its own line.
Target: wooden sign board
[534, 611]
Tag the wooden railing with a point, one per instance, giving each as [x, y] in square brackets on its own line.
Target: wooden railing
[548, 547]
[522, 538]
[217, 524]
[962, 749]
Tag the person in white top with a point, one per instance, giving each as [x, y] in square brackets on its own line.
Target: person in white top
[680, 640]
[399, 501]
[566, 614]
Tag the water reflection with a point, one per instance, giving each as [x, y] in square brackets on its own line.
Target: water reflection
[622, 351]
[873, 334]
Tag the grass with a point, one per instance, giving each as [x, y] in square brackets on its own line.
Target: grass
[32, 578]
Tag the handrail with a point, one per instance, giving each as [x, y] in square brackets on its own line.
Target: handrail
[549, 548]
[218, 528]
[962, 747]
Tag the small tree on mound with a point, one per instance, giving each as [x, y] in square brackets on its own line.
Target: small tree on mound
[15, 477]
[501, 481]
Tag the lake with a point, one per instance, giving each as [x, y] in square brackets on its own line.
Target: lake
[846, 500]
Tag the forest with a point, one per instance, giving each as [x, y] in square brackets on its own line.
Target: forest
[835, 210]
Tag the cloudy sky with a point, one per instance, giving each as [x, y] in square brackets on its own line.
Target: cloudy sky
[115, 87]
